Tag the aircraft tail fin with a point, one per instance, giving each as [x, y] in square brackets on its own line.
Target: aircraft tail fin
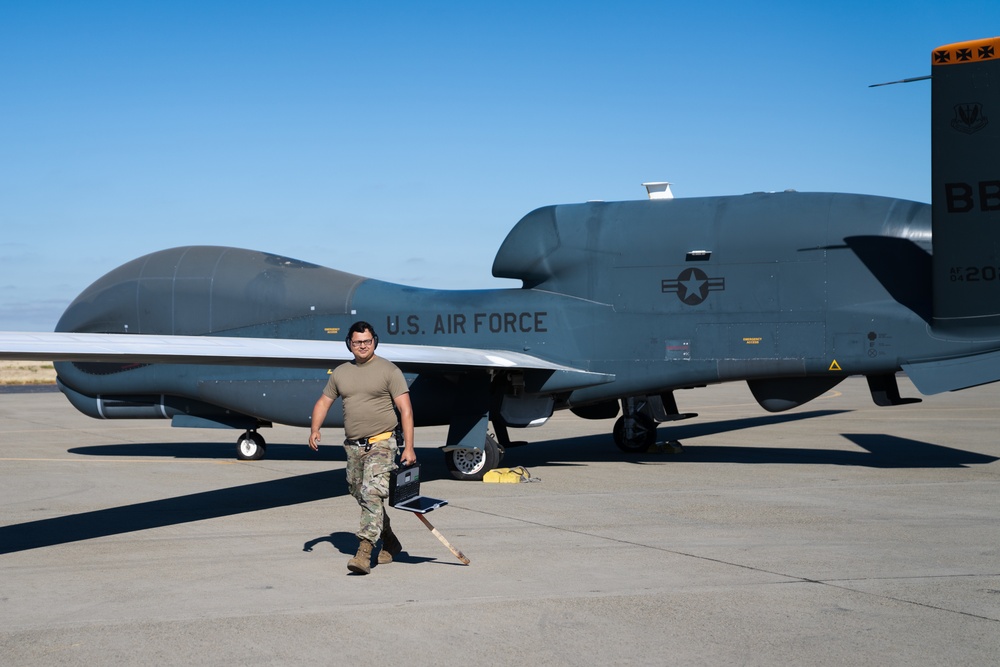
[965, 200]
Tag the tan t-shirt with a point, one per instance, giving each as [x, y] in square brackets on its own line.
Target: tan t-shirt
[368, 391]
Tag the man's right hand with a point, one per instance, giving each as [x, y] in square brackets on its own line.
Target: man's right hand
[314, 438]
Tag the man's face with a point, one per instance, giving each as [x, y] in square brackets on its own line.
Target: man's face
[363, 345]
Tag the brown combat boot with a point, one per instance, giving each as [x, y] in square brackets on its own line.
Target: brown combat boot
[390, 543]
[362, 561]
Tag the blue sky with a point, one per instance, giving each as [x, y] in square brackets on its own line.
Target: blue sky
[402, 141]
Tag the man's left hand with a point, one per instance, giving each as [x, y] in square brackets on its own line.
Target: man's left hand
[409, 456]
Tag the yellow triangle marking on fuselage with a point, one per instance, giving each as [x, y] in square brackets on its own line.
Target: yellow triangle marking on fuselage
[835, 366]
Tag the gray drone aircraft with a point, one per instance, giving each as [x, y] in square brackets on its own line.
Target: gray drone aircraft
[621, 304]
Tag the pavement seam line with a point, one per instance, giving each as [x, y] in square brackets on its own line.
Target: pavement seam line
[792, 578]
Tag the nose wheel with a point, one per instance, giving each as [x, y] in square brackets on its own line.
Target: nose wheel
[250, 446]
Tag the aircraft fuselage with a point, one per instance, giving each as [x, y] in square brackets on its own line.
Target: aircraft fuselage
[661, 294]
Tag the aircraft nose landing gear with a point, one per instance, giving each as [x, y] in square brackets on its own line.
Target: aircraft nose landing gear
[250, 446]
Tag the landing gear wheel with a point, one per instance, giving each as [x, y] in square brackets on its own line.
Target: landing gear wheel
[250, 446]
[470, 464]
[639, 437]
[501, 450]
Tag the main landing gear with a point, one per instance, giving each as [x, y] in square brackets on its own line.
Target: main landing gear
[634, 433]
[472, 464]
[635, 430]
[250, 446]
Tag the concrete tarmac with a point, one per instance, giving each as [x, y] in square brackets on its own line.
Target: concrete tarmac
[838, 533]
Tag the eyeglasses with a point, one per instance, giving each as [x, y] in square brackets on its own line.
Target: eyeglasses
[361, 343]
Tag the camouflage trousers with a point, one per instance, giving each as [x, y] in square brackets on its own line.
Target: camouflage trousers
[368, 481]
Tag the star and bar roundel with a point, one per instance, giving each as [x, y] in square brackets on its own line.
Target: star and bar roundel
[692, 286]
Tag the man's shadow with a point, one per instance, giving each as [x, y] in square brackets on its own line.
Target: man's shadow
[347, 544]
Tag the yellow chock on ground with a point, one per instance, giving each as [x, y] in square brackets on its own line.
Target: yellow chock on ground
[507, 475]
[668, 447]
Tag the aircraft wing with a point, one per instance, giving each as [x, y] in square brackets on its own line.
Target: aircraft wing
[279, 352]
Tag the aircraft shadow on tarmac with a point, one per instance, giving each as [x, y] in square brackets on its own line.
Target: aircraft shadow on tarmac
[173, 511]
[213, 450]
[881, 451]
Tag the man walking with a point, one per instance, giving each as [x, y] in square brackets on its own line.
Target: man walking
[372, 390]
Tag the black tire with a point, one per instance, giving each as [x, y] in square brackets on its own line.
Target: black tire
[250, 446]
[643, 434]
[469, 464]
